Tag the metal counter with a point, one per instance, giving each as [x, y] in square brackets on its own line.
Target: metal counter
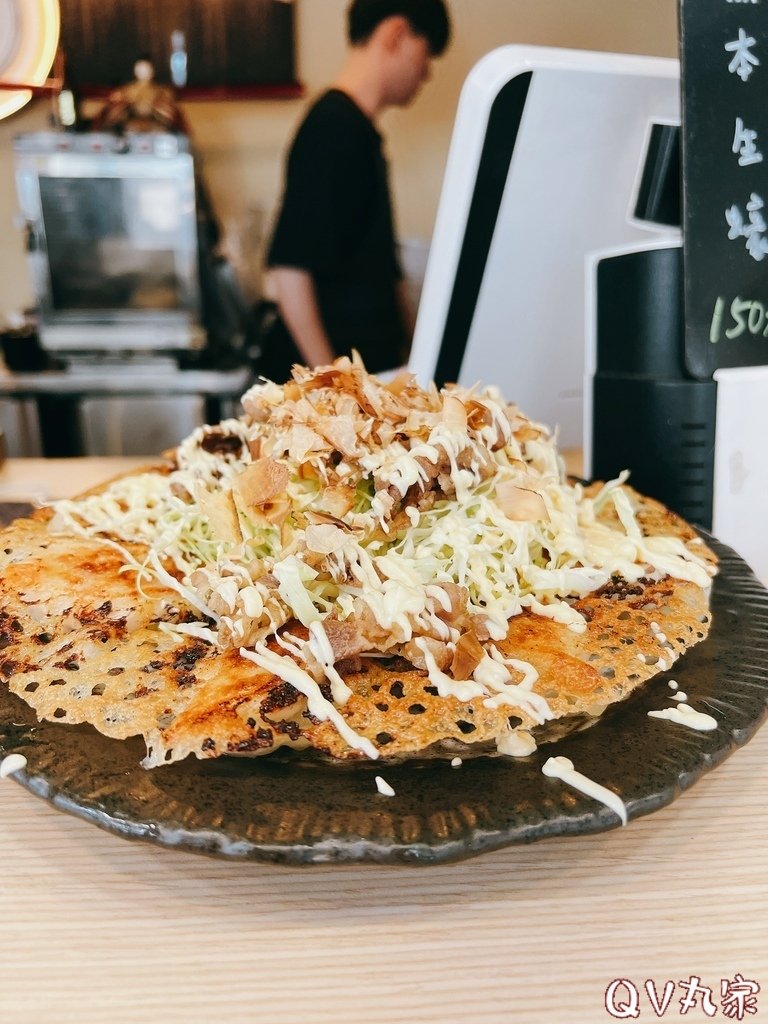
[113, 409]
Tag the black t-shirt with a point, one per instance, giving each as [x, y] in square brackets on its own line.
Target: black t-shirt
[336, 223]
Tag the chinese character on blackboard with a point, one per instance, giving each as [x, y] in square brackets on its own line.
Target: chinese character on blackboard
[724, 61]
[745, 144]
[743, 61]
[753, 228]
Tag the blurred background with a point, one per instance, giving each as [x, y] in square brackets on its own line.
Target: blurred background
[241, 142]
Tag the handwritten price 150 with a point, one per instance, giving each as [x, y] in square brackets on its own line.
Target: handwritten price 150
[748, 315]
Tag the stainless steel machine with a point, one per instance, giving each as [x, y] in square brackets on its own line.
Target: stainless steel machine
[116, 246]
[112, 240]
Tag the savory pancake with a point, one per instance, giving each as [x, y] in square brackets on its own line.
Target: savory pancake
[369, 570]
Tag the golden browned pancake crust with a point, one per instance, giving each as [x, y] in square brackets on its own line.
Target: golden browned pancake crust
[82, 643]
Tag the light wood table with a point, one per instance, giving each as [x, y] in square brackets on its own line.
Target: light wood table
[40, 480]
[96, 929]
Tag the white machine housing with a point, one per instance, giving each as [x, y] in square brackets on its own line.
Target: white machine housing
[570, 189]
[740, 498]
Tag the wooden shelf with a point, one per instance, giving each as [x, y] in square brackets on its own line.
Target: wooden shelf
[282, 91]
[235, 49]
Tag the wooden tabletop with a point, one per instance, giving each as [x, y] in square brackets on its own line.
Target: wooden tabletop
[94, 928]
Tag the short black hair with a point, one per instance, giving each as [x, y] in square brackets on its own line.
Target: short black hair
[427, 18]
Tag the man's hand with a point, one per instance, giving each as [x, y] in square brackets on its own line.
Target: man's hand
[296, 297]
[407, 312]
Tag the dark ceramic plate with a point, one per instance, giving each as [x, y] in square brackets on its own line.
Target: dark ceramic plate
[288, 810]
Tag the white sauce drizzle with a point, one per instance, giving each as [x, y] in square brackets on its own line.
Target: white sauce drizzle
[186, 592]
[462, 690]
[12, 763]
[680, 695]
[456, 762]
[384, 787]
[684, 714]
[562, 768]
[657, 632]
[519, 743]
[195, 629]
[253, 603]
[321, 647]
[289, 671]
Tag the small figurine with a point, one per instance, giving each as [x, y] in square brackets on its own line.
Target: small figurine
[142, 105]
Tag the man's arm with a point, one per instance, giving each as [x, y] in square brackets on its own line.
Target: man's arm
[407, 312]
[294, 292]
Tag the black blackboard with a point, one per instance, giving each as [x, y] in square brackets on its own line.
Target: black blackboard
[724, 53]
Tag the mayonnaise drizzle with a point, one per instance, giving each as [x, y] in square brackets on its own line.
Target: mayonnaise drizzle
[384, 787]
[684, 714]
[519, 743]
[562, 768]
[287, 670]
[320, 646]
[189, 629]
[12, 763]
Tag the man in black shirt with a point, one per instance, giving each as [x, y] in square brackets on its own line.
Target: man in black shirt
[334, 267]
